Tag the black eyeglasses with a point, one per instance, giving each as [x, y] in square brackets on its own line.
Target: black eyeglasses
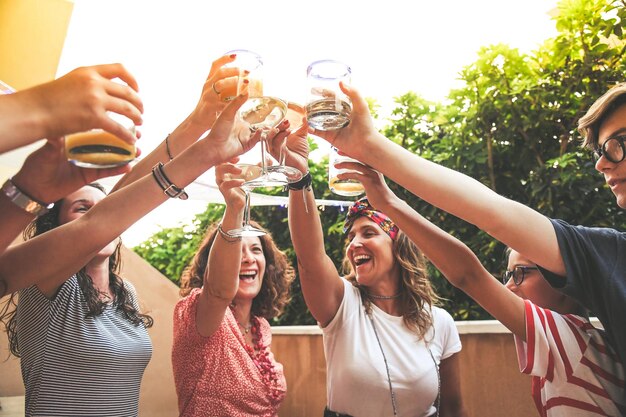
[612, 149]
[518, 274]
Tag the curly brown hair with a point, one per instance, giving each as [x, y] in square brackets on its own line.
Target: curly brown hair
[275, 289]
[415, 288]
[95, 305]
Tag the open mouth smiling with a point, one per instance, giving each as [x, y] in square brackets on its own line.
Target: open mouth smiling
[361, 259]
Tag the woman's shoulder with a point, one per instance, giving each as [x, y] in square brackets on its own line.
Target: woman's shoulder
[441, 317]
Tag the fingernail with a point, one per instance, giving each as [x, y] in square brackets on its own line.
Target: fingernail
[246, 81]
[246, 72]
[233, 56]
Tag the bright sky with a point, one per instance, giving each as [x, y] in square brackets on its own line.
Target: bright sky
[392, 46]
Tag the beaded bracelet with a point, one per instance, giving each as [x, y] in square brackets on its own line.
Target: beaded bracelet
[227, 236]
[169, 188]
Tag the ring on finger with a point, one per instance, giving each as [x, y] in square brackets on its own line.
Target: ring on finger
[215, 89]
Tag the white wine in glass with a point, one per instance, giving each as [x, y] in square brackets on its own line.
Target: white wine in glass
[265, 113]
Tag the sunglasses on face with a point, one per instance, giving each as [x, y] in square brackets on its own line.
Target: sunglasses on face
[612, 149]
[518, 274]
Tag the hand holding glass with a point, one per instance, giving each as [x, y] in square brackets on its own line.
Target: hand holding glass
[97, 148]
[327, 107]
[347, 187]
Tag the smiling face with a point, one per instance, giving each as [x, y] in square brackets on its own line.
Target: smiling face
[370, 252]
[252, 268]
[76, 204]
[536, 289]
[614, 173]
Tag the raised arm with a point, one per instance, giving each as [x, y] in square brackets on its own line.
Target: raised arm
[221, 278]
[512, 223]
[57, 254]
[46, 176]
[76, 102]
[452, 257]
[321, 285]
[209, 106]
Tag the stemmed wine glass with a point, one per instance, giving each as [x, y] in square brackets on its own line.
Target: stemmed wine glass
[265, 113]
[249, 172]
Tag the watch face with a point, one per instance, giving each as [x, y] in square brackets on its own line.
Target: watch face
[23, 201]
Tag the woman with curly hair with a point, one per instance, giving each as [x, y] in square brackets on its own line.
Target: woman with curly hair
[221, 352]
[389, 350]
[82, 341]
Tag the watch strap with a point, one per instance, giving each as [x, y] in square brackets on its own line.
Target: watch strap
[23, 200]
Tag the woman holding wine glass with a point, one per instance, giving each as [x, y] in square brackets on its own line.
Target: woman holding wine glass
[221, 353]
[389, 349]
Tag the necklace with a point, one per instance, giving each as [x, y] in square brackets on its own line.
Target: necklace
[259, 354]
[246, 329]
[383, 297]
[393, 394]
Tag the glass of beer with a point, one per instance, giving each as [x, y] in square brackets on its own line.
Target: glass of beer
[327, 107]
[97, 148]
[348, 188]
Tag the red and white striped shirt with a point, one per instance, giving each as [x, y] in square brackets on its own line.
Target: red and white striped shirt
[575, 370]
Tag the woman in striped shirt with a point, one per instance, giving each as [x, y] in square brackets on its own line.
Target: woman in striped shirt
[82, 341]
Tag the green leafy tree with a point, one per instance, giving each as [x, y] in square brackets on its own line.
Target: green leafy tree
[510, 126]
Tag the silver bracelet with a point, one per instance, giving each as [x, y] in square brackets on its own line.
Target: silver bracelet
[227, 236]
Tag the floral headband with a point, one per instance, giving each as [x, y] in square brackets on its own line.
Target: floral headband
[362, 207]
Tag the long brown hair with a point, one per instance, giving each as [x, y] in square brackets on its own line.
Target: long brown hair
[275, 289]
[95, 304]
[417, 295]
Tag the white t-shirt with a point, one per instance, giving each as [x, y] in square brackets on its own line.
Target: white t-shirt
[356, 375]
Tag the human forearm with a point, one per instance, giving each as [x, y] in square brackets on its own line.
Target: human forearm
[452, 257]
[222, 277]
[21, 121]
[512, 223]
[306, 228]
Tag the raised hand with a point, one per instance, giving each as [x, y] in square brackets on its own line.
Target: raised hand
[223, 142]
[376, 189]
[221, 82]
[79, 100]
[228, 179]
[350, 139]
[48, 176]
[293, 145]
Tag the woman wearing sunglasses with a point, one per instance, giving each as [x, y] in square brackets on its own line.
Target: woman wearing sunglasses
[575, 370]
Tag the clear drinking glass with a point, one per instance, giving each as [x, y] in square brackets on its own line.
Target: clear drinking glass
[97, 148]
[253, 63]
[327, 107]
[249, 172]
[348, 188]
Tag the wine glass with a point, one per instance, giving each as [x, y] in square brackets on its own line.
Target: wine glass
[294, 115]
[265, 113]
[249, 172]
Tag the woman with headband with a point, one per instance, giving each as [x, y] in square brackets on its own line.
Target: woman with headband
[389, 350]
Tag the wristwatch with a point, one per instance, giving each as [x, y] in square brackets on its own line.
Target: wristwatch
[23, 200]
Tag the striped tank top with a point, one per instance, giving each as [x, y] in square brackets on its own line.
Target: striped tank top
[73, 365]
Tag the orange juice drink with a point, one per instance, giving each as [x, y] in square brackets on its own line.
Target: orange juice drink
[98, 149]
